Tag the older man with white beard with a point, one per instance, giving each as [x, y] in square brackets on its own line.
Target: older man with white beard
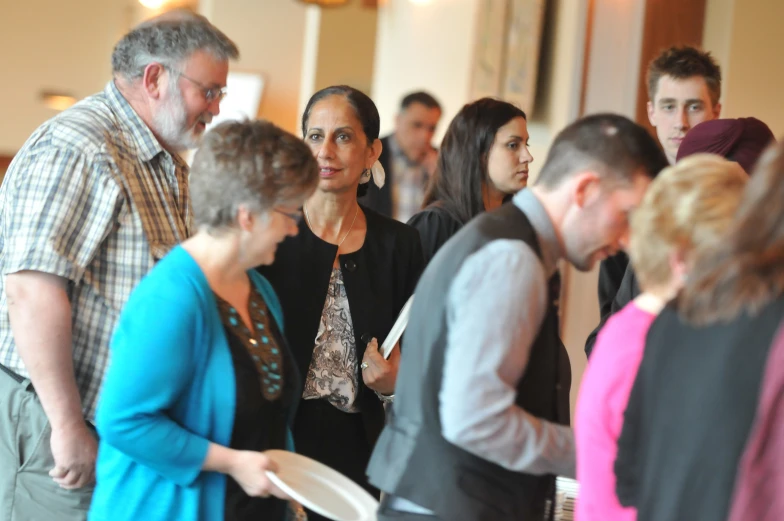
[95, 196]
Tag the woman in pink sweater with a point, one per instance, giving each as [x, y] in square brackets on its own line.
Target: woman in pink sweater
[688, 207]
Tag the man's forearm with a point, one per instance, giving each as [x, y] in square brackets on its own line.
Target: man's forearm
[40, 315]
[498, 302]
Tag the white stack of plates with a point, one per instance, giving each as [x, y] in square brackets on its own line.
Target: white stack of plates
[566, 493]
[320, 488]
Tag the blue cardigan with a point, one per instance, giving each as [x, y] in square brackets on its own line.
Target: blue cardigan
[169, 390]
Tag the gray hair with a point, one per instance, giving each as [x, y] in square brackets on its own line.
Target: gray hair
[248, 163]
[169, 39]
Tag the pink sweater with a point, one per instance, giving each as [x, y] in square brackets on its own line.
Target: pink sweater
[603, 396]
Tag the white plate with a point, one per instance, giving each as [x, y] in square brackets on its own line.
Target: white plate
[320, 488]
[397, 329]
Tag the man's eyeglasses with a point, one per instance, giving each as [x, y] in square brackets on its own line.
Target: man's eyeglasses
[295, 216]
[210, 93]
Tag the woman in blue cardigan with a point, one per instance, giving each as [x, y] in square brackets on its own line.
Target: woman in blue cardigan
[201, 381]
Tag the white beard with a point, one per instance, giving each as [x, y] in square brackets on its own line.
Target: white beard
[171, 123]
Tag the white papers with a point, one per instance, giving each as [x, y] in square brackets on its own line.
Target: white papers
[397, 329]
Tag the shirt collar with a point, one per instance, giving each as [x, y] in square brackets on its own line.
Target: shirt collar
[549, 240]
[146, 142]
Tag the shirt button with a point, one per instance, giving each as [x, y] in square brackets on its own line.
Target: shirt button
[350, 265]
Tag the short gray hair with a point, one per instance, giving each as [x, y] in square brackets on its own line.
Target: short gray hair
[248, 163]
[168, 40]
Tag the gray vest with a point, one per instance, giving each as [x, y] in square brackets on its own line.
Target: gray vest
[411, 458]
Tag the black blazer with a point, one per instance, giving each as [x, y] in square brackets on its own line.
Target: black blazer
[380, 199]
[617, 287]
[379, 279]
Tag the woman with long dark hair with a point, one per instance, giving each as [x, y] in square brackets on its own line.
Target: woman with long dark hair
[483, 159]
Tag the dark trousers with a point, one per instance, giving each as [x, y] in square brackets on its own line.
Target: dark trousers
[334, 438]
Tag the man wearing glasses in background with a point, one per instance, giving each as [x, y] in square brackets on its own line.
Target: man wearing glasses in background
[408, 158]
[95, 196]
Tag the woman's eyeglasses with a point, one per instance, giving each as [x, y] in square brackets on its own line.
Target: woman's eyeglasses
[295, 216]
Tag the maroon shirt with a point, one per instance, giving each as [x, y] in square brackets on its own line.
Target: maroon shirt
[759, 489]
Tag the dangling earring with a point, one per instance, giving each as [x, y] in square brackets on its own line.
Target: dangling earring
[366, 173]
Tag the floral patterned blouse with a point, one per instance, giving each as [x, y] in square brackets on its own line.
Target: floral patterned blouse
[334, 370]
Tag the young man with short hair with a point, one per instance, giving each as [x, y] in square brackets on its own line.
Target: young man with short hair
[684, 87]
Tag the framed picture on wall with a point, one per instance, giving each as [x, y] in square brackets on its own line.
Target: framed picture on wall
[242, 101]
[489, 44]
[506, 50]
[523, 45]
[243, 97]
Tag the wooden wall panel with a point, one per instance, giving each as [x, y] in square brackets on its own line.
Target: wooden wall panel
[590, 11]
[4, 162]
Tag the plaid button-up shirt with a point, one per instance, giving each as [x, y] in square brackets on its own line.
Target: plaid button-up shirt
[94, 198]
[409, 184]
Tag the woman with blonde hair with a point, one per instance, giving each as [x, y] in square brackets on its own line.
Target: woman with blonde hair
[693, 404]
[687, 208]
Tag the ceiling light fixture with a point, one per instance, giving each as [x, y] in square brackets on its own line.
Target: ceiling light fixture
[325, 3]
[57, 100]
[153, 4]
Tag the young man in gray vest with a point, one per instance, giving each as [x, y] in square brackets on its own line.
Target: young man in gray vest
[480, 421]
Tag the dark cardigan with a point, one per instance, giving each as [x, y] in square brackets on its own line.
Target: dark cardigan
[435, 225]
[690, 413]
[379, 278]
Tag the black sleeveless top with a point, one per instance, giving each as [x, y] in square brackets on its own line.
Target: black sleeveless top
[259, 423]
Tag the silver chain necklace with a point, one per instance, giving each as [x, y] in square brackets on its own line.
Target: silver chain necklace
[307, 221]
